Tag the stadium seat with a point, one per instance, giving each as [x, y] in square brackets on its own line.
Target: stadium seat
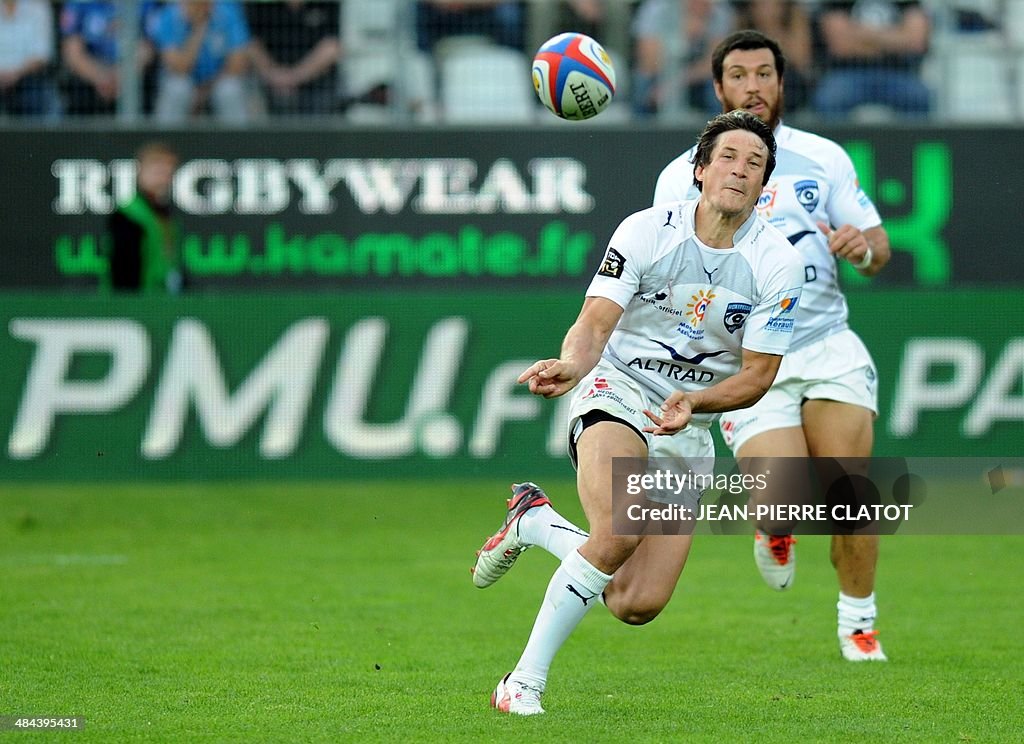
[378, 44]
[976, 78]
[486, 84]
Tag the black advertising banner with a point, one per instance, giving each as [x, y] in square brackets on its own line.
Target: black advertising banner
[492, 208]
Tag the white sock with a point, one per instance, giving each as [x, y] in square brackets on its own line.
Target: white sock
[856, 613]
[548, 529]
[573, 590]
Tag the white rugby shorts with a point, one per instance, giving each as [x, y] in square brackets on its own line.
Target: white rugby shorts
[838, 367]
[609, 389]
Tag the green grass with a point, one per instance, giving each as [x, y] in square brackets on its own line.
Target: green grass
[345, 612]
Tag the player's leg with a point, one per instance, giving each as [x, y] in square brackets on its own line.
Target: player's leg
[845, 431]
[583, 576]
[769, 429]
[529, 520]
[770, 452]
[644, 584]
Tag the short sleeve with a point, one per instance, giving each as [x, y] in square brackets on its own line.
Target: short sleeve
[847, 203]
[769, 329]
[626, 260]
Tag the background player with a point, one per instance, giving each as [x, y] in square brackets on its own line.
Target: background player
[825, 397]
[692, 287]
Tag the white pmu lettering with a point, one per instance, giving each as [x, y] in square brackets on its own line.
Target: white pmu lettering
[345, 422]
[280, 385]
[997, 400]
[961, 364]
[209, 186]
[915, 393]
[503, 399]
[49, 392]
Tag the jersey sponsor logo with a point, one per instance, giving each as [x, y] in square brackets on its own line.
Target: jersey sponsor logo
[609, 394]
[613, 264]
[736, 315]
[807, 193]
[672, 370]
[767, 199]
[600, 384]
[694, 317]
[657, 300]
[781, 319]
[862, 198]
[695, 359]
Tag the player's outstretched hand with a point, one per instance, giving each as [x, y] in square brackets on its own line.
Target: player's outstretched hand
[550, 378]
[676, 413]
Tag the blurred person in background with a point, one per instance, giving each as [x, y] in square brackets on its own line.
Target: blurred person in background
[143, 235]
[824, 400]
[295, 50]
[788, 22]
[503, 21]
[26, 50]
[698, 25]
[585, 16]
[873, 55]
[204, 56]
[90, 54]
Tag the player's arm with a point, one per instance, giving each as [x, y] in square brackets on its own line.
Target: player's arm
[868, 250]
[581, 350]
[741, 390]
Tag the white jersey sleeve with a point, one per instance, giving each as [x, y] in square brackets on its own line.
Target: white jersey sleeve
[627, 259]
[773, 319]
[847, 203]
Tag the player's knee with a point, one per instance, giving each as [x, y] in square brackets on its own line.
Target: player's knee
[639, 613]
[634, 608]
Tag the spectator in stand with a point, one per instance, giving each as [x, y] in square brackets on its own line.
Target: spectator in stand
[295, 51]
[204, 56]
[89, 48]
[26, 50]
[873, 55]
[659, 27]
[144, 237]
[501, 20]
[787, 22]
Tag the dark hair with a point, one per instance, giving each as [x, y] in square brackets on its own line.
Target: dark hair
[745, 40]
[733, 120]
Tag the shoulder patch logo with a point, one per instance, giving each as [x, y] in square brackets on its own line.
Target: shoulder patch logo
[807, 194]
[613, 264]
[736, 315]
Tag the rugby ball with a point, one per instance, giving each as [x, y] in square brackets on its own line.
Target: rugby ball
[573, 76]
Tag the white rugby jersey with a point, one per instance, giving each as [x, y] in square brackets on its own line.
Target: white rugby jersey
[814, 180]
[688, 309]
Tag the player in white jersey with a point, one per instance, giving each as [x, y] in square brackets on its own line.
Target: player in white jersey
[688, 316]
[825, 398]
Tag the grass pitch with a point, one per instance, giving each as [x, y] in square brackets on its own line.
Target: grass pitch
[345, 612]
